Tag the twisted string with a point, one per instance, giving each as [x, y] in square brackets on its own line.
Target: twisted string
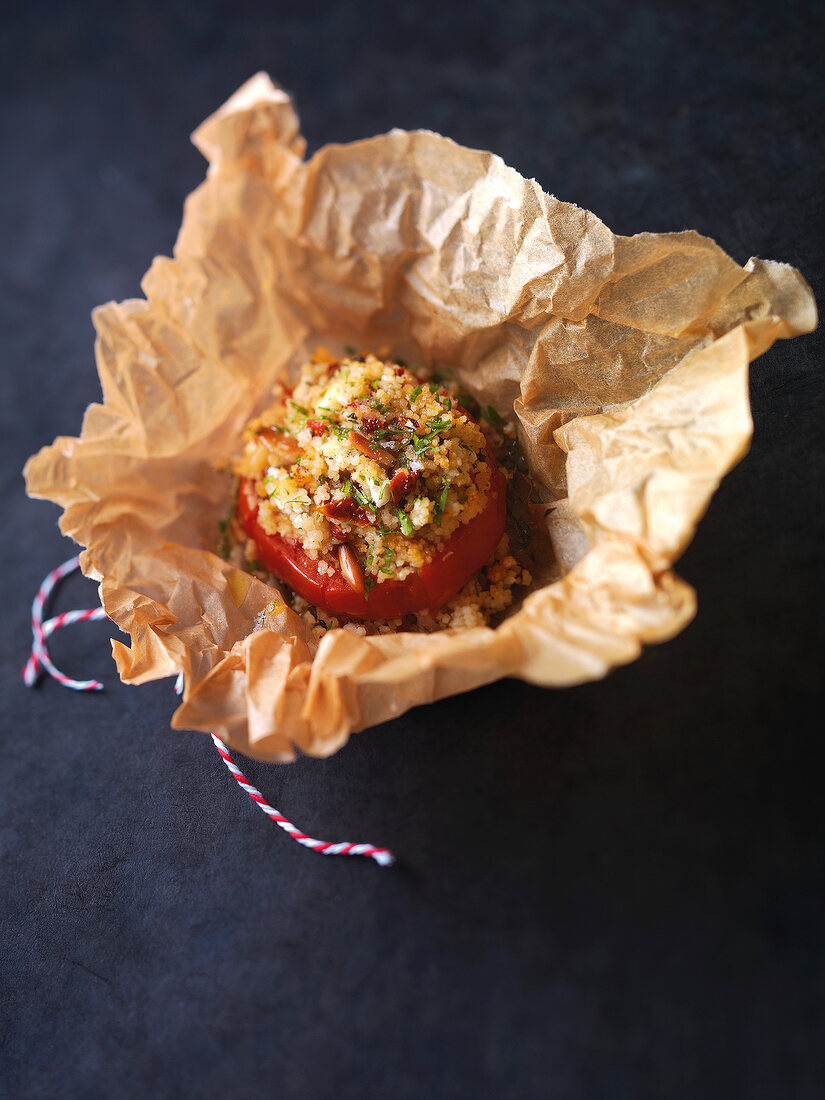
[382, 856]
[40, 661]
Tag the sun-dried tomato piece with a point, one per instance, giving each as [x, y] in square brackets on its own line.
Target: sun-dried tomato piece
[284, 448]
[401, 482]
[347, 509]
[317, 427]
[373, 421]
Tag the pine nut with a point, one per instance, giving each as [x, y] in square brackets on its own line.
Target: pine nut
[350, 568]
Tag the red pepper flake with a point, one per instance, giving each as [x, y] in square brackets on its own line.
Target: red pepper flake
[317, 427]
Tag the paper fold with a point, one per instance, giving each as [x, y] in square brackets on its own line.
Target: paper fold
[622, 361]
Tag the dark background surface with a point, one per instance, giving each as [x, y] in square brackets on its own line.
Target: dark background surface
[611, 891]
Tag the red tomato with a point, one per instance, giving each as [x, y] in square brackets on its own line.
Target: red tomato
[464, 553]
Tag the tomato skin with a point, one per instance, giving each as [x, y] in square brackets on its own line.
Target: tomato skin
[464, 553]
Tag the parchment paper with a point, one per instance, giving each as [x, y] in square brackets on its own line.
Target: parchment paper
[623, 361]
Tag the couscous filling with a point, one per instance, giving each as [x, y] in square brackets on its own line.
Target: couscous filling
[375, 476]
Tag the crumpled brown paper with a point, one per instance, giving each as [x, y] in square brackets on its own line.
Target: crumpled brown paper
[622, 359]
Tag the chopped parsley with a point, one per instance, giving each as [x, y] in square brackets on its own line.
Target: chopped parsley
[467, 401]
[435, 425]
[421, 443]
[223, 524]
[405, 521]
[355, 491]
[492, 417]
[514, 459]
[441, 503]
[389, 558]
[314, 613]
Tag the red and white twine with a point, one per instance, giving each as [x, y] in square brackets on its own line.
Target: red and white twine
[39, 658]
[325, 847]
[40, 661]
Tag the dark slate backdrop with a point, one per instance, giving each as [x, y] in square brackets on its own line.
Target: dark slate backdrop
[612, 891]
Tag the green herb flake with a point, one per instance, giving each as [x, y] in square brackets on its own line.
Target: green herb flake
[415, 393]
[467, 401]
[369, 584]
[405, 521]
[357, 493]
[443, 374]
[441, 504]
[349, 349]
[514, 459]
[492, 417]
[436, 425]
[388, 567]
[300, 408]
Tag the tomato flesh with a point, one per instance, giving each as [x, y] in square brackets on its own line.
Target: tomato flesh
[464, 553]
